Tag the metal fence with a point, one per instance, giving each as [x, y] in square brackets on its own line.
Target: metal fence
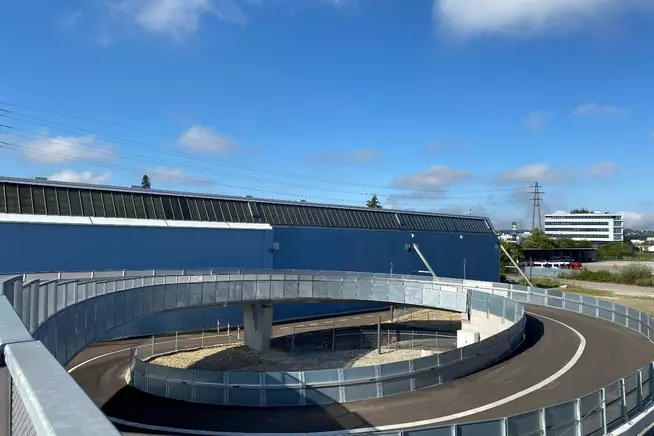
[293, 388]
[34, 386]
[32, 389]
[388, 339]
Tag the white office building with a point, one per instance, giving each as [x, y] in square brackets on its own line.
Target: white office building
[595, 227]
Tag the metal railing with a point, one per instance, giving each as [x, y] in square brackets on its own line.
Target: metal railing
[34, 386]
[29, 380]
[326, 386]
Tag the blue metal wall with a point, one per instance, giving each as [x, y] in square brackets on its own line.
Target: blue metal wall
[55, 247]
[205, 318]
[58, 247]
[376, 250]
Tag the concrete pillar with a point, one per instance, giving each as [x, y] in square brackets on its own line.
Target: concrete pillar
[257, 325]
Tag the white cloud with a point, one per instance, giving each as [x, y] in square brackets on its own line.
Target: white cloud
[362, 155]
[599, 110]
[66, 148]
[638, 221]
[204, 139]
[70, 20]
[435, 177]
[522, 17]
[176, 176]
[178, 18]
[537, 120]
[534, 173]
[80, 177]
[603, 169]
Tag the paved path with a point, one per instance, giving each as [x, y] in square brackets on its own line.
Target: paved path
[612, 287]
[611, 352]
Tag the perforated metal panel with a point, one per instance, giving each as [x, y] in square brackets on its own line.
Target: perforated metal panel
[21, 425]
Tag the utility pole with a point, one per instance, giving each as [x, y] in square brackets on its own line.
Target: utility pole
[536, 199]
[470, 210]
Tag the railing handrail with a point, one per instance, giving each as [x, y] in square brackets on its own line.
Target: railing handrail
[644, 324]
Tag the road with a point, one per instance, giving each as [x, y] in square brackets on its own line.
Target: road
[610, 352]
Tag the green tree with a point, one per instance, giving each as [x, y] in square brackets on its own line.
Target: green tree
[516, 252]
[584, 244]
[538, 239]
[566, 243]
[145, 182]
[614, 250]
[582, 210]
[373, 203]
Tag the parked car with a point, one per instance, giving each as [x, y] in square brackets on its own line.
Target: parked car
[507, 279]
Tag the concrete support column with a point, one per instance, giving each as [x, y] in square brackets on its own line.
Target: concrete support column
[257, 325]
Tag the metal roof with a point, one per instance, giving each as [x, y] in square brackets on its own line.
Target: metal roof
[45, 197]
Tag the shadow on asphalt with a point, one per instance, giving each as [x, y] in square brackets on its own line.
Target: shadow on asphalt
[534, 332]
[132, 405]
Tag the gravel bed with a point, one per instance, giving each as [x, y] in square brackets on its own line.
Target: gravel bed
[240, 358]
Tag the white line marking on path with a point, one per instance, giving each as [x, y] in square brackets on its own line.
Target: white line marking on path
[79, 365]
[567, 367]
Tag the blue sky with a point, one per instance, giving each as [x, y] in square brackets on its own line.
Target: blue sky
[441, 105]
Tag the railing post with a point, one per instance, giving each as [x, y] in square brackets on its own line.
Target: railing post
[603, 405]
[5, 400]
[623, 400]
[578, 425]
[504, 427]
[541, 416]
[640, 390]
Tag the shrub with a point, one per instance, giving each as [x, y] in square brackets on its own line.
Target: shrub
[542, 281]
[593, 276]
[645, 282]
[633, 273]
[640, 275]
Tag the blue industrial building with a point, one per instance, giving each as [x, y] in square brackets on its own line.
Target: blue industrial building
[52, 226]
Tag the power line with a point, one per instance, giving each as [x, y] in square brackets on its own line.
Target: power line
[109, 153]
[8, 146]
[168, 150]
[15, 147]
[152, 131]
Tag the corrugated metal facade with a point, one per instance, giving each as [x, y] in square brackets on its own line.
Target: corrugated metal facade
[308, 236]
[57, 247]
[379, 250]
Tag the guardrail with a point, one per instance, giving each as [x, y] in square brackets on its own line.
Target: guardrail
[32, 389]
[33, 386]
[320, 387]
